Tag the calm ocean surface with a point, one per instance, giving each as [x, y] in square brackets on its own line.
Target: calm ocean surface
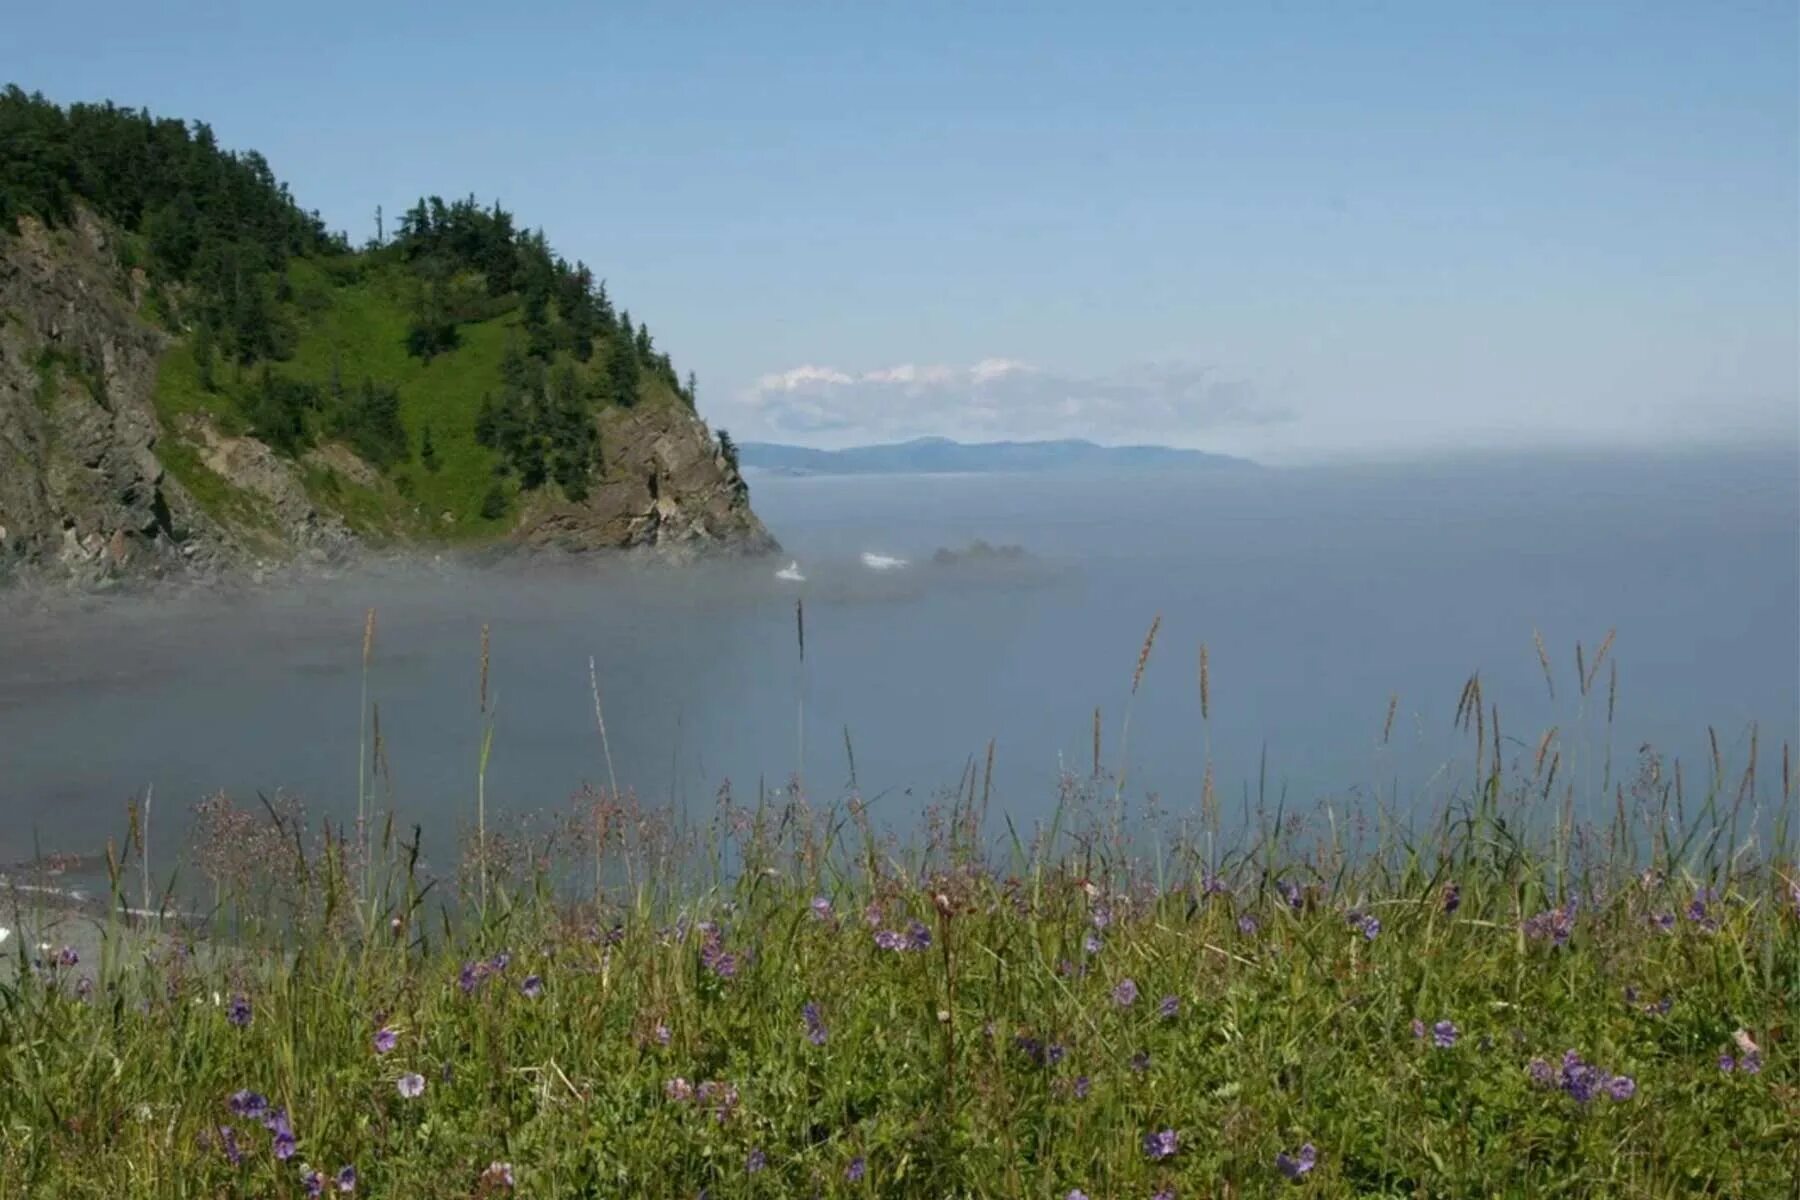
[1320, 592]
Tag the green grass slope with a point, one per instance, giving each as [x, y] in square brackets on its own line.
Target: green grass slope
[348, 319]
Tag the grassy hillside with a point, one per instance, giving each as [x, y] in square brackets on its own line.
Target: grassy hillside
[349, 319]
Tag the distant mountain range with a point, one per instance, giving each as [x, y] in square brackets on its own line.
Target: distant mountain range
[933, 455]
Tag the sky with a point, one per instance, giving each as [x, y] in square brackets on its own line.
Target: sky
[1294, 231]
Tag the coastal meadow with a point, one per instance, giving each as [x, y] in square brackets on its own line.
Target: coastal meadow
[778, 997]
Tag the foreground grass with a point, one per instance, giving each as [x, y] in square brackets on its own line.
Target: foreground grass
[834, 1016]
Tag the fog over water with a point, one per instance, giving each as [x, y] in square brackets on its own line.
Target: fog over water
[1320, 592]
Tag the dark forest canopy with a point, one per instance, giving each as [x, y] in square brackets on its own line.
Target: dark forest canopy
[217, 236]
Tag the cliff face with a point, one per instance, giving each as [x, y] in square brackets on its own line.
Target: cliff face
[82, 492]
[665, 486]
[87, 496]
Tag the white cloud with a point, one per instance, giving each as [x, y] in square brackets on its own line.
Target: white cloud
[799, 378]
[998, 398]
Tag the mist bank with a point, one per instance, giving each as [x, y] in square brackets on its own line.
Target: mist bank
[1324, 597]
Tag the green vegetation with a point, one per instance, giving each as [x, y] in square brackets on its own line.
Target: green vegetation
[953, 1030]
[781, 1000]
[461, 322]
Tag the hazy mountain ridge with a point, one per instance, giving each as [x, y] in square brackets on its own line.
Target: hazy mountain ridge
[934, 455]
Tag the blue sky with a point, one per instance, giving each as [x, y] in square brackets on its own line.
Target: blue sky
[1292, 230]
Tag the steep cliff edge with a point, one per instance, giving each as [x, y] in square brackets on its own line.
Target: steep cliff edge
[666, 485]
[83, 494]
[195, 376]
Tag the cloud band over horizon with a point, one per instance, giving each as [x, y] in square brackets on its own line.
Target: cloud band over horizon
[1001, 398]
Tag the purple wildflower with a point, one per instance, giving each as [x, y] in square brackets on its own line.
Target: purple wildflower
[1293, 893]
[500, 962]
[284, 1144]
[917, 936]
[67, 957]
[248, 1104]
[1727, 1064]
[1076, 1194]
[1751, 1063]
[721, 1097]
[1140, 1062]
[815, 1024]
[821, 908]
[1452, 897]
[1664, 921]
[1055, 1053]
[1125, 994]
[857, 1168]
[1082, 1086]
[1030, 1047]
[678, 1090]
[533, 987]
[1444, 1034]
[714, 957]
[346, 1179]
[411, 1085]
[1418, 1028]
[238, 1011]
[1101, 916]
[1582, 1081]
[1168, 1007]
[661, 1034]
[1247, 925]
[1540, 1073]
[385, 1040]
[1296, 1167]
[1554, 925]
[312, 1181]
[470, 977]
[1621, 1087]
[1091, 943]
[1158, 1146]
[887, 939]
[756, 1162]
[228, 1143]
[1697, 912]
[1167, 1193]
